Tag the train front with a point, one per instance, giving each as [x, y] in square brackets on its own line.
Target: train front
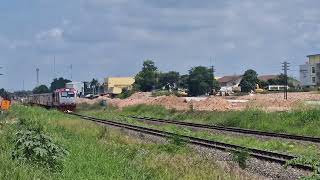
[67, 99]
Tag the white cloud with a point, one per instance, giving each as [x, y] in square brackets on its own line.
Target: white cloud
[54, 34]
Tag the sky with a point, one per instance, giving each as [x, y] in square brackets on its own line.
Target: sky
[103, 38]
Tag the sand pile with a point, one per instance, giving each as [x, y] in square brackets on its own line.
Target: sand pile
[135, 99]
[276, 102]
[91, 101]
[212, 104]
[171, 102]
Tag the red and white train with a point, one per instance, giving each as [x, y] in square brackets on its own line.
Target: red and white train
[63, 99]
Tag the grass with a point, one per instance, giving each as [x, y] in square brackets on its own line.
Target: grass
[251, 142]
[300, 121]
[96, 152]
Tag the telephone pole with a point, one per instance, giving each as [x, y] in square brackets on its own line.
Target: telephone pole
[71, 72]
[285, 68]
[37, 70]
[212, 79]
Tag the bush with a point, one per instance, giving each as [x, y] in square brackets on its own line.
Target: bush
[241, 158]
[32, 146]
[311, 161]
[125, 93]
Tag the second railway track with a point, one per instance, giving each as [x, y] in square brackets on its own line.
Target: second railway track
[256, 153]
[231, 129]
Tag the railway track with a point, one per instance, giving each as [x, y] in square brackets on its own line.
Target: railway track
[256, 153]
[231, 129]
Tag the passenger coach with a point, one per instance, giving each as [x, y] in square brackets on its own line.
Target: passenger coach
[63, 99]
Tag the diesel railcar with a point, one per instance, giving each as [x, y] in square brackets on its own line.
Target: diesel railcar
[62, 99]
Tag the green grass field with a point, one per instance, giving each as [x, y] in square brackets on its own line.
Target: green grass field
[261, 119]
[96, 152]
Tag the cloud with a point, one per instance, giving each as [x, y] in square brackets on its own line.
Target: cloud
[54, 33]
[100, 36]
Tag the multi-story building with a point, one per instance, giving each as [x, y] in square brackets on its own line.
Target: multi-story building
[114, 85]
[310, 72]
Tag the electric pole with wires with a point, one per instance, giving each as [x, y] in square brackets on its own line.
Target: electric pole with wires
[285, 68]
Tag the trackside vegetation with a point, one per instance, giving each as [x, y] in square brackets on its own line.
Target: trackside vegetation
[301, 121]
[89, 151]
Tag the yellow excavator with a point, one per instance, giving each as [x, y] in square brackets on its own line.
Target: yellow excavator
[258, 89]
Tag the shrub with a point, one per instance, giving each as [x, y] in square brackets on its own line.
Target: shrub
[126, 93]
[32, 146]
[311, 161]
[241, 157]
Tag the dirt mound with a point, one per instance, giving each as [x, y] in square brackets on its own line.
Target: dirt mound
[139, 95]
[212, 104]
[171, 102]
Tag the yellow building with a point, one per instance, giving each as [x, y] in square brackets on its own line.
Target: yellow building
[314, 59]
[114, 85]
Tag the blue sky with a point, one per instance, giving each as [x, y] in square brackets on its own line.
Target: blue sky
[112, 37]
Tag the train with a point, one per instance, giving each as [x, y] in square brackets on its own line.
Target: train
[63, 99]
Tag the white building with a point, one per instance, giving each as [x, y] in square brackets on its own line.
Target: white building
[79, 86]
[310, 72]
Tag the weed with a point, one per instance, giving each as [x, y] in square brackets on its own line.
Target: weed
[177, 140]
[37, 148]
[311, 161]
[241, 157]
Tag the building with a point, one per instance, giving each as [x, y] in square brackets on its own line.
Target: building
[310, 72]
[267, 77]
[114, 85]
[230, 83]
[79, 86]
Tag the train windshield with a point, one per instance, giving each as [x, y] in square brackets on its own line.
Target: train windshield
[67, 94]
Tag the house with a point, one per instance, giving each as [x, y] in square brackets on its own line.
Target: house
[310, 72]
[267, 77]
[230, 83]
[114, 85]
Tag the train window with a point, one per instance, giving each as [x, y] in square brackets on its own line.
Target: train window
[67, 94]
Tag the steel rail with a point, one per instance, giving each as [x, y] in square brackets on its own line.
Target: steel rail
[232, 129]
[256, 153]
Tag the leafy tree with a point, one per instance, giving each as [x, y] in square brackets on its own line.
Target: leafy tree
[249, 81]
[169, 80]
[41, 89]
[183, 83]
[215, 85]
[200, 81]
[94, 86]
[145, 80]
[4, 94]
[58, 83]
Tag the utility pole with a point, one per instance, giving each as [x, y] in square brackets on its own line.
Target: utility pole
[54, 67]
[71, 72]
[285, 68]
[37, 70]
[212, 79]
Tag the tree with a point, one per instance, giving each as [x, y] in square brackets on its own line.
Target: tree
[200, 81]
[183, 82]
[249, 81]
[145, 80]
[169, 80]
[4, 94]
[94, 85]
[58, 83]
[41, 89]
